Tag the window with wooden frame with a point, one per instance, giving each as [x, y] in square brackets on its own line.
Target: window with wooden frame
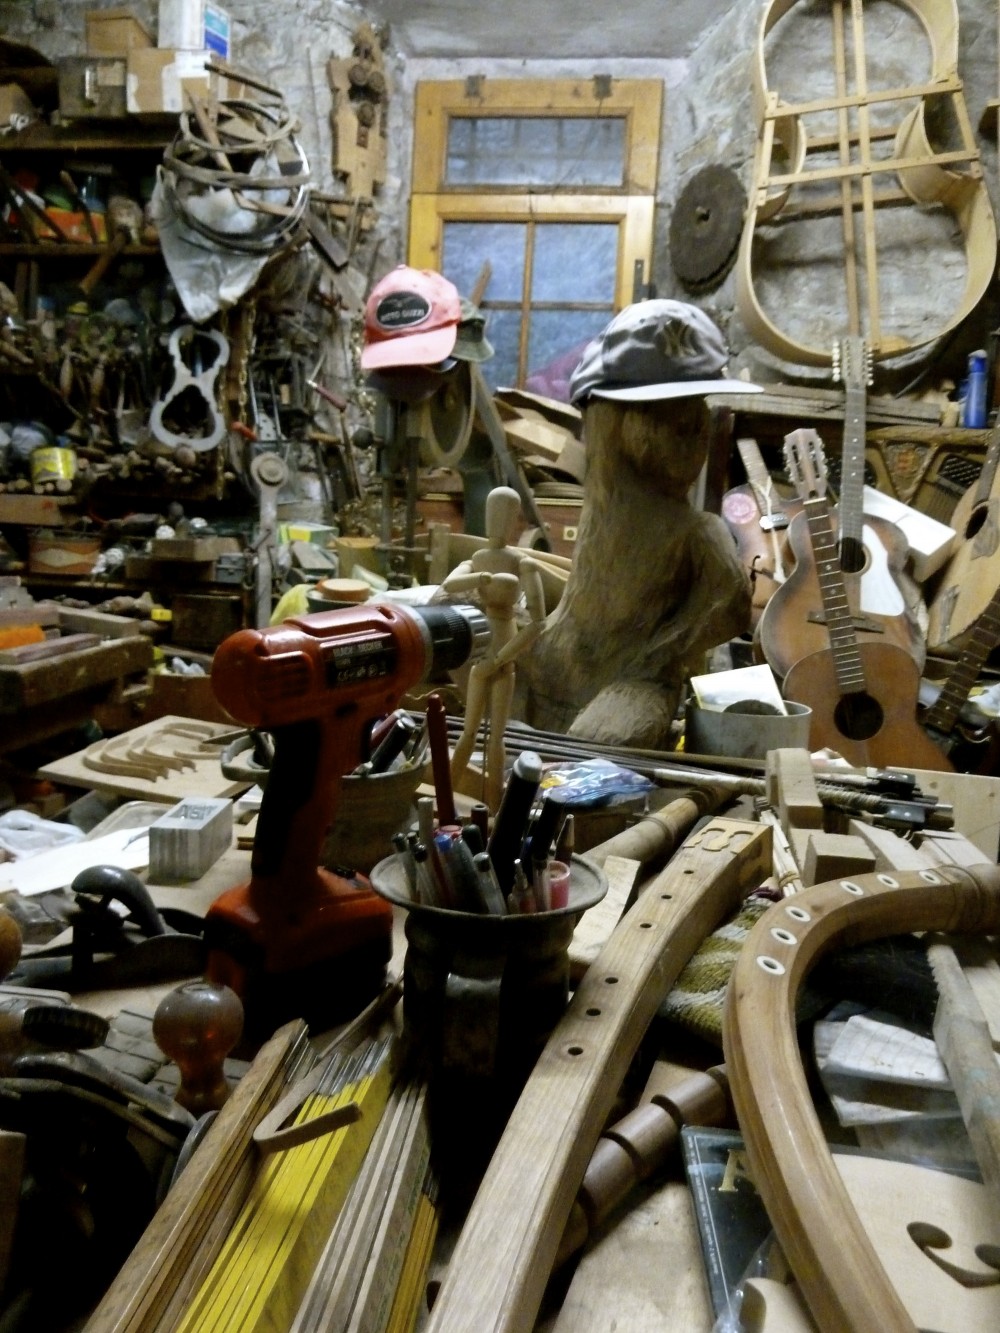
[536, 199]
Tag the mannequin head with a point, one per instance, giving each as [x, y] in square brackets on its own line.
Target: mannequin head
[503, 510]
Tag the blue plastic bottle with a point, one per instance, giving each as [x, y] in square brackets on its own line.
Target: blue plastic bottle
[974, 414]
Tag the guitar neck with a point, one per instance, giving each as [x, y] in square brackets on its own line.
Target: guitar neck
[756, 470]
[836, 608]
[979, 643]
[852, 476]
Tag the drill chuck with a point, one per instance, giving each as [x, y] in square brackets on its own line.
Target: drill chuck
[454, 634]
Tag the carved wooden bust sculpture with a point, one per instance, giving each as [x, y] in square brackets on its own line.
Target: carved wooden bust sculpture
[655, 582]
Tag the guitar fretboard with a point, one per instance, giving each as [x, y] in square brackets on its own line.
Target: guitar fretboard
[839, 620]
[979, 643]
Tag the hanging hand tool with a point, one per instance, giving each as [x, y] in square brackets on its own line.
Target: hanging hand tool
[298, 940]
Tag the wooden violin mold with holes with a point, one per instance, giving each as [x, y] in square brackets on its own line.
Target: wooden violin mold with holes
[832, 1256]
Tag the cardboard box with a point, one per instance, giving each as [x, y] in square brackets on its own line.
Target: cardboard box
[191, 24]
[115, 32]
[91, 87]
[159, 79]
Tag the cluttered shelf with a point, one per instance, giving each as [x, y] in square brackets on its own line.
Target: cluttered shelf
[69, 250]
[117, 136]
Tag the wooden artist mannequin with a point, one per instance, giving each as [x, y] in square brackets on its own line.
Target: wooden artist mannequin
[655, 583]
[500, 573]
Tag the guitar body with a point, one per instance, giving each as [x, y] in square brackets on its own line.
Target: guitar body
[793, 625]
[972, 575]
[761, 543]
[876, 725]
[972, 749]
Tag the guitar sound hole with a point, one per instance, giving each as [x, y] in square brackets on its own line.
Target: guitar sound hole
[859, 717]
[852, 556]
[976, 520]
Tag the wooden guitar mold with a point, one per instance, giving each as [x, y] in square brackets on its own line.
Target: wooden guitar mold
[854, 179]
[839, 1273]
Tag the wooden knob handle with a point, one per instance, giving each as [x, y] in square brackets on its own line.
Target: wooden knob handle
[196, 1026]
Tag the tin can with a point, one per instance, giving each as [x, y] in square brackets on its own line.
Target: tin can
[52, 463]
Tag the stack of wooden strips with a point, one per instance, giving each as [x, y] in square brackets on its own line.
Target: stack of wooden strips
[175, 1252]
[262, 1271]
[370, 1276]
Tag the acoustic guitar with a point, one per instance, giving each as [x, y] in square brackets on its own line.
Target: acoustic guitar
[972, 575]
[758, 517]
[969, 738]
[863, 696]
[871, 555]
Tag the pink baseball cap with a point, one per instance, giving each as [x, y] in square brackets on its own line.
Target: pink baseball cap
[411, 319]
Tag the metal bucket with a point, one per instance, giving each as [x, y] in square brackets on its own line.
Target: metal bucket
[744, 734]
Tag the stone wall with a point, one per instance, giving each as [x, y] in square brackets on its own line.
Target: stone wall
[707, 119]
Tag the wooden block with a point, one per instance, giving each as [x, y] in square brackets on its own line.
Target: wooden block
[40, 613]
[79, 620]
[199, 549]
[189, 838]
[56, 679]
[834, 856]
[791, 789]
[891, 852]
[37, 652]
[534, 436]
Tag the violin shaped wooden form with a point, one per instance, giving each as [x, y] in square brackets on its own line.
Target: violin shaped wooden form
[805, 174]
[839, 1272]
[192, 394]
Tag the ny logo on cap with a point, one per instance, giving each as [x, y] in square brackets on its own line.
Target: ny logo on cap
[675, 338]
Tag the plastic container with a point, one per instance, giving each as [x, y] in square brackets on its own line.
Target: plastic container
[975, 410]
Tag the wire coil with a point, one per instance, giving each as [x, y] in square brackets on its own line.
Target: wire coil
[245, 155]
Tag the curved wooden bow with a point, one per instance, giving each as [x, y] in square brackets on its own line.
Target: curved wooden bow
[833, 1259]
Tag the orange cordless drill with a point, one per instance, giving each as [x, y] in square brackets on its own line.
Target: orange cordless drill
[298, 940]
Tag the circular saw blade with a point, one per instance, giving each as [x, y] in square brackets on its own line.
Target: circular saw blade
[447, 419]
[706, 226]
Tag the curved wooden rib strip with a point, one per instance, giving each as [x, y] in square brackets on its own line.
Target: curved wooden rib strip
[833, 1260]
[498, 1271]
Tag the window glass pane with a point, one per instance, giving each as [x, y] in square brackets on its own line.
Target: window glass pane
[503, 328]
[575, 261]
[555, 344]
[536, 150]
[467, 246]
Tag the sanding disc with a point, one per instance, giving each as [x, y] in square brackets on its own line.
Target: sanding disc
[706, 226]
